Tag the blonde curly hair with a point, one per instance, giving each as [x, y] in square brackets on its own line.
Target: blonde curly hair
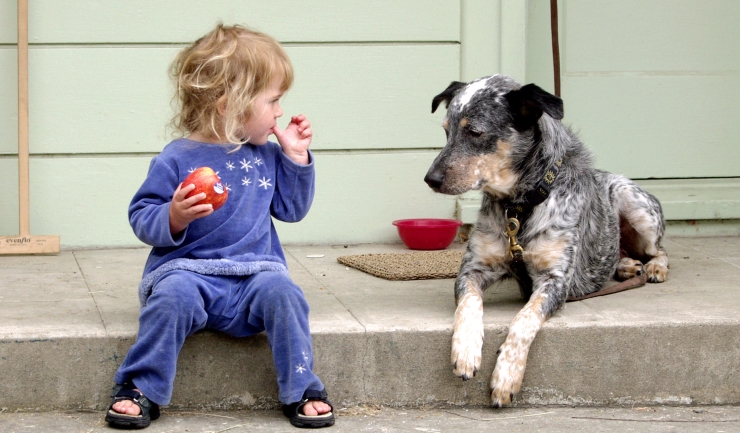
[219, 77]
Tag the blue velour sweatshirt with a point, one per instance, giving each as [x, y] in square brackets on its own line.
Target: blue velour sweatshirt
[239, 238]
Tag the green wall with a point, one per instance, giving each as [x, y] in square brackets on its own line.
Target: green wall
[649, 85]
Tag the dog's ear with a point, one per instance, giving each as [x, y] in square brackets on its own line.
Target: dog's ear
[529, 102]
[447, 95]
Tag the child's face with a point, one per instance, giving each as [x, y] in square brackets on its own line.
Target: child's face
[264, 115]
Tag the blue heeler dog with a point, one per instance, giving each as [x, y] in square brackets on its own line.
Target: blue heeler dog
[548, 219]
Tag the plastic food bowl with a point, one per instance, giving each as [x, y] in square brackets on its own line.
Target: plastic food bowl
[427, 233]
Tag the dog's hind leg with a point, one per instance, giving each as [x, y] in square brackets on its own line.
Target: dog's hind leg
[641, 230]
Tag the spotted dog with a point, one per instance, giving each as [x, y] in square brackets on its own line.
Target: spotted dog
[548, 218]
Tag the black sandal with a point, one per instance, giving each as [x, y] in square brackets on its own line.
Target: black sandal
[294, 411]
[127, 391]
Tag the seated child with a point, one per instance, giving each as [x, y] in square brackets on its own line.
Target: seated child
[223, 269]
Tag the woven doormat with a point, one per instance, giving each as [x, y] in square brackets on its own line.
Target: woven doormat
[426, 265]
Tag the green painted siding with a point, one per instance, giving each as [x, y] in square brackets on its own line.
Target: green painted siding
[8, 100]
[8, 25]
[9, 204]
[697, 199]
[100, 101]
[650, 86]
[86, 198]
[181, 21]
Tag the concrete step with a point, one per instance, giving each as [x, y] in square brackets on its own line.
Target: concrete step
[66, 322]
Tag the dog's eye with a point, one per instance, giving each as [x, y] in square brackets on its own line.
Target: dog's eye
[473, 133]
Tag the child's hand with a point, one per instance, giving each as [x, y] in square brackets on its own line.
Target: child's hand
[183, 210]
[296, 138]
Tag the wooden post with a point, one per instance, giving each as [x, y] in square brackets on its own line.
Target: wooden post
[25, 243]
[23, 177]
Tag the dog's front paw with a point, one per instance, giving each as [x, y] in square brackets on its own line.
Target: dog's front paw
[507, 377]
[467, 337]
[466, 353]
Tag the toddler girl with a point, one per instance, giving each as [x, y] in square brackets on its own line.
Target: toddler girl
[224, 269]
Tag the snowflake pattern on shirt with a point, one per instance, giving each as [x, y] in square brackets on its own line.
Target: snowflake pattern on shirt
[247, 174]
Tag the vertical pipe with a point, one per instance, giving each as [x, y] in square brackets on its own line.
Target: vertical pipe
[555, 44]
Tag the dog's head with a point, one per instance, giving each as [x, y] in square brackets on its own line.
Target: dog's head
[491, 125]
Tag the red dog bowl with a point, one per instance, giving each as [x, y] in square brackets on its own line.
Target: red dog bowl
[427, 233]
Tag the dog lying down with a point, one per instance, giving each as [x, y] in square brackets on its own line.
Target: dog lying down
[548, 218]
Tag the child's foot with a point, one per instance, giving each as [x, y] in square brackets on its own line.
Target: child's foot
[316, 407]
[313, 411]
[130, 408]
[127, 407]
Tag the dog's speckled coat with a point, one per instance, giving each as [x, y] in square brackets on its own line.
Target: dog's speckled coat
[503, 138]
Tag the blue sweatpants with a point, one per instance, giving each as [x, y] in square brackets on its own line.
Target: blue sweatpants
[184, 302]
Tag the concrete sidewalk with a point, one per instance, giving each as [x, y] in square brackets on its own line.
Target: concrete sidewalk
[638, 419]
[66, 321]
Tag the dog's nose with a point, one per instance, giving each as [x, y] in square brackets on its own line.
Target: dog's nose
[434, 179]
